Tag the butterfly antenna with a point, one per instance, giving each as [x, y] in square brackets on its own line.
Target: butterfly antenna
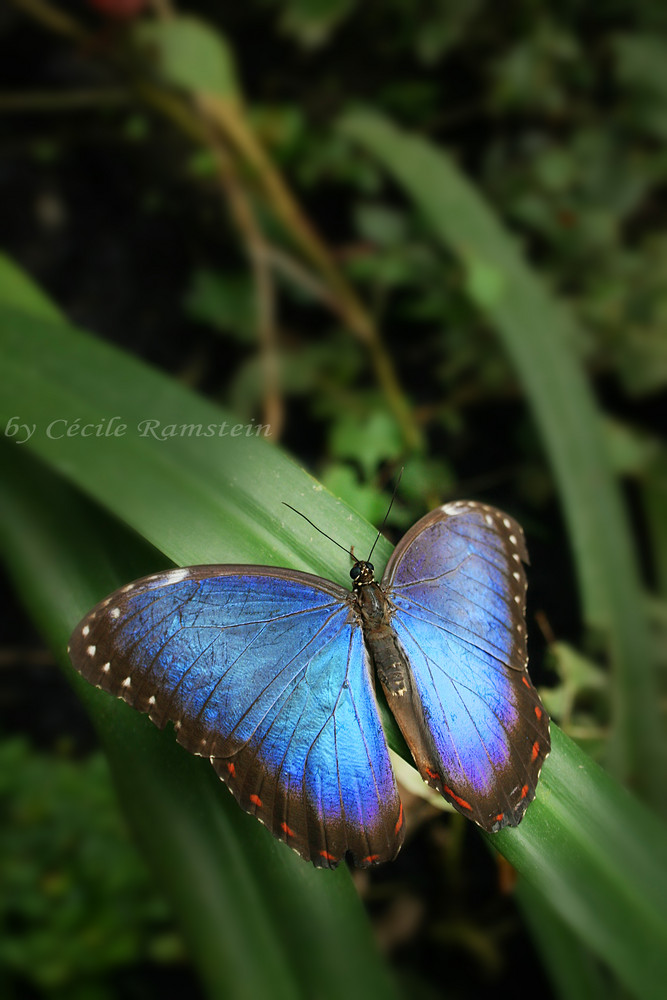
[313, 525]
[391, 504]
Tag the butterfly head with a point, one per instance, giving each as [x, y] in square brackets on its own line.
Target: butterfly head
[362, 573]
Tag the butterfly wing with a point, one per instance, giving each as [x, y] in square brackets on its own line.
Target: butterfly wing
[265, 672]
[472, 718]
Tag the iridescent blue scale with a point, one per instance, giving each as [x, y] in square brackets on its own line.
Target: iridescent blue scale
[271, 674]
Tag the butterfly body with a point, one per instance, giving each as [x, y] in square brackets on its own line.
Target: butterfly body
[270, 673]
[375, 613]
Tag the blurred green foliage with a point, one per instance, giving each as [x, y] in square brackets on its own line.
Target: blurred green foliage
[77, 901]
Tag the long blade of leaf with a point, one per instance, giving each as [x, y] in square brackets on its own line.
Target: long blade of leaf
[538, 333]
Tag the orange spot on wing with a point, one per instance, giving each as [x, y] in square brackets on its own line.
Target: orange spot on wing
[500, 817]
[538, 711]
[457, 798]
[399, 821]
[524, 680]
[535, 750]
[371, 858]
[524, 791]
[256, 801]
[286, 830]
[433, 775]
[231, 769]
[327, 856]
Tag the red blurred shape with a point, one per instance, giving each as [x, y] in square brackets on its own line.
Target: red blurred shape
[121, 9]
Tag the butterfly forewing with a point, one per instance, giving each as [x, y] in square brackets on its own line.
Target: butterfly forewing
[265, 672]
[473, 720]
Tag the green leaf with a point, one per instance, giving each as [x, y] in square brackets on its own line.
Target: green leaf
[595, 853]
[190, 54]
[18, 291]
[342, 481]
[111, 443]
[380, 224]
[641, 66]
[368, 441]
[573, 971]
[580, 701]
[537, 332]
[484, 284]
[630, 451]
[575, 846]
[224, 301]
[313, 21]
[654, 496]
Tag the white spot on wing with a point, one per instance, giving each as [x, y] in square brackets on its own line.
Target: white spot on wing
[115, 612]
[91, 650]
[151, 700]
[106, 668]
[456, 506]
[176, 575]
[127, 682]
[85, 630]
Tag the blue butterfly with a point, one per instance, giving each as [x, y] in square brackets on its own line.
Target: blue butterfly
[270, 673]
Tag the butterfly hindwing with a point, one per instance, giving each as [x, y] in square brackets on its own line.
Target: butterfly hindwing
[267, 672]
[473, 720]
[264, 671]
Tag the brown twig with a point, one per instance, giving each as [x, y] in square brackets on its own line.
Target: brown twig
[232, 122]
[163, 8]
[52, 18]
[246, 222]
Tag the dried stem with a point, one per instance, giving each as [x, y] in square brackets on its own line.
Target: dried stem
[246, 222]
[163, 8]
[52, 18]
[232, 122]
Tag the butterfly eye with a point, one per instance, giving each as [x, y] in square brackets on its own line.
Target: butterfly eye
[362, 571]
